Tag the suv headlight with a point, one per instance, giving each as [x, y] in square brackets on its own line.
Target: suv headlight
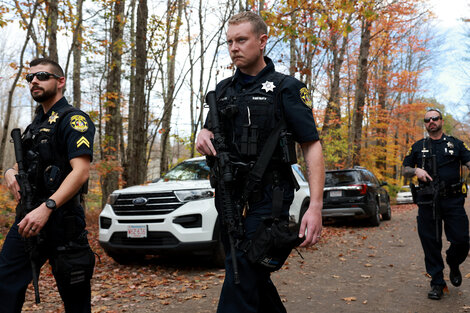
[112, 198]
[192, 195]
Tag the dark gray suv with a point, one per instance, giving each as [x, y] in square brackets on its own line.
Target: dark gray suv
[355, 193]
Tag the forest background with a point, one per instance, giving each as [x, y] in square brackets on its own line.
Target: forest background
[141, 70]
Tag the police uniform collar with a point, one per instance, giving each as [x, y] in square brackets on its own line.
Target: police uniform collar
[267, 69]
[56, 107]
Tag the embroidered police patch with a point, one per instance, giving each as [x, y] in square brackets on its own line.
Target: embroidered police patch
[79, 123]
[305, 96]
[409, 151]
[53, 118]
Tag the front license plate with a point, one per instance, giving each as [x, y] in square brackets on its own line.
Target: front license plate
[137, 231]
[336, 193]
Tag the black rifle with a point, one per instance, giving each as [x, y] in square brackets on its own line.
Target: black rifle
[230, 210]
[26, 205]
[436, 188]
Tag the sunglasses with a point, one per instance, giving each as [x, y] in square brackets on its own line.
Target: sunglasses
[42, 76]
[434, 119]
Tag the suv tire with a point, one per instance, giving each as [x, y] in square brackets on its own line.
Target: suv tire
[375, 218]
[387, 216]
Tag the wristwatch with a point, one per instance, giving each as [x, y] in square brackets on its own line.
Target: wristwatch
[51, 204]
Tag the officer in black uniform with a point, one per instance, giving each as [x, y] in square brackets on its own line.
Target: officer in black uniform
[250, 103]
[58, 150]
[436, 161]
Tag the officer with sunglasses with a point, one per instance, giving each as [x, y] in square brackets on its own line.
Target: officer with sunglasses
[437, 163]
[58, 150]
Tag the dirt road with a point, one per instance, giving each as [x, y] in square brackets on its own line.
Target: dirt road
[354, 269]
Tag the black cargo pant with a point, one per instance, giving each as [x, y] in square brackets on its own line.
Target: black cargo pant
[16, 274]
[256, 292]
[457, 233]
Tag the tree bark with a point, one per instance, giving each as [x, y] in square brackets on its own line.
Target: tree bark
[53, 15]
[137, 147]
[360, 93]
[172, 47]
[6, 118]
[110, 179]
[77, 57]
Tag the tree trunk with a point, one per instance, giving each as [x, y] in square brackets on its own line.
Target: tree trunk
[77, 57]
[137, 147]
[6, 118]
[53, 15]
[110, 179]
[333, 109]
[127, 168]
[360, 94]
[172, 47]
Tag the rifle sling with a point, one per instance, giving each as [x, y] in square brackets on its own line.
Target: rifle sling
[257, 172]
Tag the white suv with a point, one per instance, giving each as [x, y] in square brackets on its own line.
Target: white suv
[175, 214]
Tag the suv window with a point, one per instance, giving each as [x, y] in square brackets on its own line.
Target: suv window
[195, 170]
[341, 178]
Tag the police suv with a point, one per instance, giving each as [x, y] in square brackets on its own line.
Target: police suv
[173, 215]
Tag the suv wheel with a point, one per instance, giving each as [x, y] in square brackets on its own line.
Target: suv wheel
[375, 218]
[387, 216]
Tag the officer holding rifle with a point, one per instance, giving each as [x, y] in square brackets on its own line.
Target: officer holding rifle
[53, 162]
[437, 163]
[254, 118]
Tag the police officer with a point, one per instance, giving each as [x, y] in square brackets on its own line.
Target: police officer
[442, 155]
[58, 149]
[249, 104]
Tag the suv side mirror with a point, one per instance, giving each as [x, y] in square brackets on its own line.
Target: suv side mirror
[384, 183]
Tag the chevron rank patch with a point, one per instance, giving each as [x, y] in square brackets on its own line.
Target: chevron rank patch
[79, 123]
[83, 141]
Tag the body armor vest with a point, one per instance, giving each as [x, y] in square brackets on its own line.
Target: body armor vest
[46, 161]
[248, 116]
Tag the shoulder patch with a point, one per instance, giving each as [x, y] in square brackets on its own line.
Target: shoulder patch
[409, 151]
[466, 147]
[79, 123]
[305, 96]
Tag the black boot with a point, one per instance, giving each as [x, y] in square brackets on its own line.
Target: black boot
[436, 292]
[455, 276]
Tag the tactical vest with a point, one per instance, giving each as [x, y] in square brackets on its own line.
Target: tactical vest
[46, 161]
[247, 117]
[449, 158]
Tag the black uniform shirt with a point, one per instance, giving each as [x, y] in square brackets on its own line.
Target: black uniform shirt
[76, 131]
[295, 99]
[450, 154]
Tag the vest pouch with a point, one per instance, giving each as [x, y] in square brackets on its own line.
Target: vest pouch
[52, 178]
[287, 145]
[45, 151]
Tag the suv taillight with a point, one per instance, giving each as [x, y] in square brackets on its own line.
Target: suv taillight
[362, 189]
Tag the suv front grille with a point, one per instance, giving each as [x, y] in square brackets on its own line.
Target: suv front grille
[154, 238]
[157, 204]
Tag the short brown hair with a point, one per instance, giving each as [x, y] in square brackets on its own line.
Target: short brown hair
[56, 68]
[258, 25]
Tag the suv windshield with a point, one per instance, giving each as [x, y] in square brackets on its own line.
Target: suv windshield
[194, 170]
[340, 178]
